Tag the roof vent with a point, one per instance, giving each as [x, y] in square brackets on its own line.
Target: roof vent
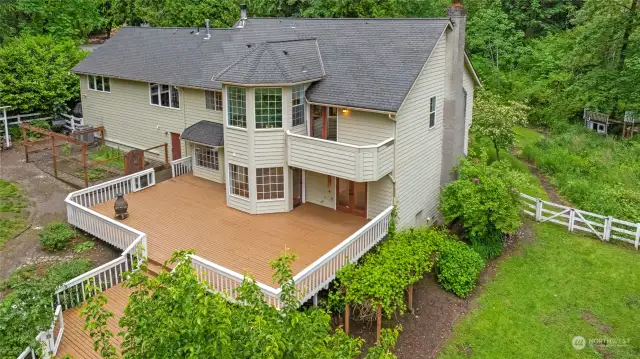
[208, 31]
[285, 52]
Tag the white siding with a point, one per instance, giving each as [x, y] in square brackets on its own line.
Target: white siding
[418, 148]
[468, 85]
[318, 190]
[380, 196]
[130, 120]
[236, 144]
[363, 128]
[269, 148]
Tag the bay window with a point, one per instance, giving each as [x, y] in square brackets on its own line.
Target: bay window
[268, 102]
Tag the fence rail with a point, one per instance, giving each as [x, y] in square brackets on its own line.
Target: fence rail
[604, 227]
[71, 122]
[181, 166]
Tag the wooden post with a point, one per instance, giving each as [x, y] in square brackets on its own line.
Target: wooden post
[347, 313]
[410, 297]
[102, 136]
[25, 142]
[538, 209]
[166, 155]
[84, 164]
[53, 156]
[637, 236]
[572, 218]
[378, 322]
[607, 228]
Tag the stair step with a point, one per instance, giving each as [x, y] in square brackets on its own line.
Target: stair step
[154, 267]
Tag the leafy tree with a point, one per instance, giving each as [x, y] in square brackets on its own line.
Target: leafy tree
[539, 17]
[495, 119]
[35, 73]
[114, 13]
[485, 198]
[61, 18]
[190, 13]
[178, 317]
[375, 8]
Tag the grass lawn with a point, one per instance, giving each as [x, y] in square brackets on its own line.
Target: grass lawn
[560, 286]
[113, 156]
[12, 202]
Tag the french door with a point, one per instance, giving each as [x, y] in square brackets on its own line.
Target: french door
[324, 122]
[352, 197]
[297, 186]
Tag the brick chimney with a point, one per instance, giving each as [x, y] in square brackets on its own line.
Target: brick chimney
[453, 116]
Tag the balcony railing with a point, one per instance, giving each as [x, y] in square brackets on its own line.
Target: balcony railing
[356, 163]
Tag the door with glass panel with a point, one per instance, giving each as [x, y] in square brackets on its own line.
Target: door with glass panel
[352, 197]
[297, 186]
[324, 122]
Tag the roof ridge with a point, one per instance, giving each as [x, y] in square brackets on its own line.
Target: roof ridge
[348, 18]
[214, 77]
[290, 40]
[277, 63]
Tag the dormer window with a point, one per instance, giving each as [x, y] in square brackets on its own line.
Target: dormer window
[268, 107]
[99, 83]
[164, 95]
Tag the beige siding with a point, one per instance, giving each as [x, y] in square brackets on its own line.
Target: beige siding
[318, 190]
[207, 173]
[326, 156]
[195, 107]
[236, 144]
[467, 83]
[269, 148]
[271, 206]
[363, 128]
[418, 148]
[130, 120]
[379, 197]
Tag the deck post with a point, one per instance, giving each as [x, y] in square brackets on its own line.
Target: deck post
[84, 165]
[53, 156]
[166, 155]
[378, 322]
[538, 209]
[347, 313]
[315, 300]
[410, 297]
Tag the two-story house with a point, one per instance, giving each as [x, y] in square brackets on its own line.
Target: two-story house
[351, 114]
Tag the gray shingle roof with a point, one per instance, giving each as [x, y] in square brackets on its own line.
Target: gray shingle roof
[204, 132]
[369, 63]
[276, 62]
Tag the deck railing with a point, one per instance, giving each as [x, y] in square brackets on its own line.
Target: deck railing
[50, 339]
[181, 166]
[604, 227]
[226, 282]
[321, 272]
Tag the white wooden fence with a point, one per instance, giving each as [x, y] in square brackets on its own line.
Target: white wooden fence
[604, 227]
[71, 122]
[50, 339]
[181, 166]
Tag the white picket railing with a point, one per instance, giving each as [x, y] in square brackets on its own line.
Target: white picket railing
[18, 119]
[181, 166]
[226, 282]
[321, 272]
[604, 227]
[71, 122]
[50, 339]
[27, 353]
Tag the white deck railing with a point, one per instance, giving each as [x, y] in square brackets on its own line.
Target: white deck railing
[321, 272]
[181, 166]
[604, 227]
[50, 339]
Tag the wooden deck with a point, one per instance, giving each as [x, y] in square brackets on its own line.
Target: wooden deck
[188, 212]
[77, 342]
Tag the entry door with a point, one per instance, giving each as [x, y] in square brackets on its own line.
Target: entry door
[297, 186]
[176, 151]
[324, 122]
[352, 197]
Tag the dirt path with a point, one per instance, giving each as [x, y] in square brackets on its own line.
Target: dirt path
[46, 203]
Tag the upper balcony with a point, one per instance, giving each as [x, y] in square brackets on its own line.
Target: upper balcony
[356, 163]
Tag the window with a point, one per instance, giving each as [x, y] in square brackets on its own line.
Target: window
[164, 95]
[270, 183]
[432, 112]
[213, 100]
[207, 157]
[268, 107]
[239, 180]
[237, 106]
[297, 105]
[99, 83]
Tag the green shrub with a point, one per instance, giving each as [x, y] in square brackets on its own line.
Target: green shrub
[458, 267]
[56, 235]
[486, 198]
[83, 247]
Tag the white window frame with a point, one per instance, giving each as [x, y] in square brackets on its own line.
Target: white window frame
[213, 158]
[159, 93]
[258, 184]
[433, 107]
[95, 83]
[255, 107]
[229, 108]
[230, 182]
[213, 101]
[297, 90]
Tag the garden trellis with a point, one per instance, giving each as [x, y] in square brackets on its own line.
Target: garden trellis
[604, 227]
